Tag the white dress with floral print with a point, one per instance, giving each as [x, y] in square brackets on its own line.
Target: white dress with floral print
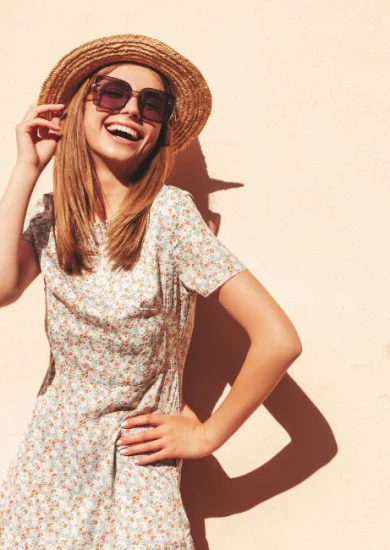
[118, 344]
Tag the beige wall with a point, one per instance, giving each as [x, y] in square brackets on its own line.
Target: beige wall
[296, 158]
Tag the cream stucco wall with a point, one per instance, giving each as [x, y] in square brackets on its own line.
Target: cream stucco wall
[295, 159]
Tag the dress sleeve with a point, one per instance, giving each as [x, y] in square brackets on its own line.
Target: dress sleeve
[202, 261]
[33, 222]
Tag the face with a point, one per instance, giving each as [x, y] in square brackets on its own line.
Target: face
[106, 147]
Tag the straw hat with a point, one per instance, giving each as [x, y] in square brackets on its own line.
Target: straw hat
[193, 97]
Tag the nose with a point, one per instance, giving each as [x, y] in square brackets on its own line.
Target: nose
[131, 107]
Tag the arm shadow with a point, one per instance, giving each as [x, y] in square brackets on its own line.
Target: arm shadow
[214, 360]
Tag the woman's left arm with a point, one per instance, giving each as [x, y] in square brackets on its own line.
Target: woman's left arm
[274, 346]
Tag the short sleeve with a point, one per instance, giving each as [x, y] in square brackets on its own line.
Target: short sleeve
[203, 262]
[34, 222]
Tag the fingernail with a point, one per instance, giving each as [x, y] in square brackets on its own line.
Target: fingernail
[119, 442]
[125, 424]
[122, 451]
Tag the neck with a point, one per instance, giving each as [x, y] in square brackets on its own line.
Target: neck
[114, 180]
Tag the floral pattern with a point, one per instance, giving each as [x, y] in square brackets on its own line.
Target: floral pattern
[118, 344]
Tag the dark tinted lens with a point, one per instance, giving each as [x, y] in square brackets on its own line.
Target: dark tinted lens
[110, 94]
[153, 106]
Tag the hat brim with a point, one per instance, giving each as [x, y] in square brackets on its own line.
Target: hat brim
[193, 96]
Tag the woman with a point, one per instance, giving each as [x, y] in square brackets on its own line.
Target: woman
[123, 256]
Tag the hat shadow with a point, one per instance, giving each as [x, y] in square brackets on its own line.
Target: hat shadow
[217, 351]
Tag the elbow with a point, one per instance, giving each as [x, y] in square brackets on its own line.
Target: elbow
[288, 348]
[291, 345]
[297, 349]
[288, 341]
[285, 344]
[294, 344]
[9, 298]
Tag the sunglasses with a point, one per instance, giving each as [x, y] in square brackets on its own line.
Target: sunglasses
[112, 94]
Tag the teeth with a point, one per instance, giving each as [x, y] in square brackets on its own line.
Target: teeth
[113, 127]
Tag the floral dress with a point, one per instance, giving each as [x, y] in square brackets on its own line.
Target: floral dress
[118, 345]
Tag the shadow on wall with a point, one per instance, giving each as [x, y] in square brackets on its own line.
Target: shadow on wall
[217, 351]
[190, 173]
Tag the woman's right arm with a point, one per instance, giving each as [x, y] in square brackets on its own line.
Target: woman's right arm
[18, 261]
[36, 142]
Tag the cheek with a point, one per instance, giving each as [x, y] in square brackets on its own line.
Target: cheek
[153, 134]
[87, 132]
[88, 128]
[92, 131]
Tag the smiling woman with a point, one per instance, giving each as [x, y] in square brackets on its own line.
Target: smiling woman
[98, 175]
[105, 242]
[117, 113]
[99, 462]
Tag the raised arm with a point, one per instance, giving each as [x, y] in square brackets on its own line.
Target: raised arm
[18, 260]
[36, 142]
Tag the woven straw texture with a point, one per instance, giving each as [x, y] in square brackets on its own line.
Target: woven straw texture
[193, 96]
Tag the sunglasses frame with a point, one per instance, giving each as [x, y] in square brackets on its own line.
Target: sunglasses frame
[169, 99]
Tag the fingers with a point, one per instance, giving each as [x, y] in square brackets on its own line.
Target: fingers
[139, 437]
[37, 124]
[140, 449]
[41, 122]
[33, 123]
[35, 109]
[141, 419]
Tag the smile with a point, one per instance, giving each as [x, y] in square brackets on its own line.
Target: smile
[122, 140]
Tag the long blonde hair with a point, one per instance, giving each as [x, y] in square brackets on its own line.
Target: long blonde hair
[78, 195]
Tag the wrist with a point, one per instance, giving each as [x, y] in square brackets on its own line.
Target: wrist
[31, 170]
[212, 442]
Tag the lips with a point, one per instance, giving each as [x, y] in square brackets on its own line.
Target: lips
[121, 140]
[120, 129]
